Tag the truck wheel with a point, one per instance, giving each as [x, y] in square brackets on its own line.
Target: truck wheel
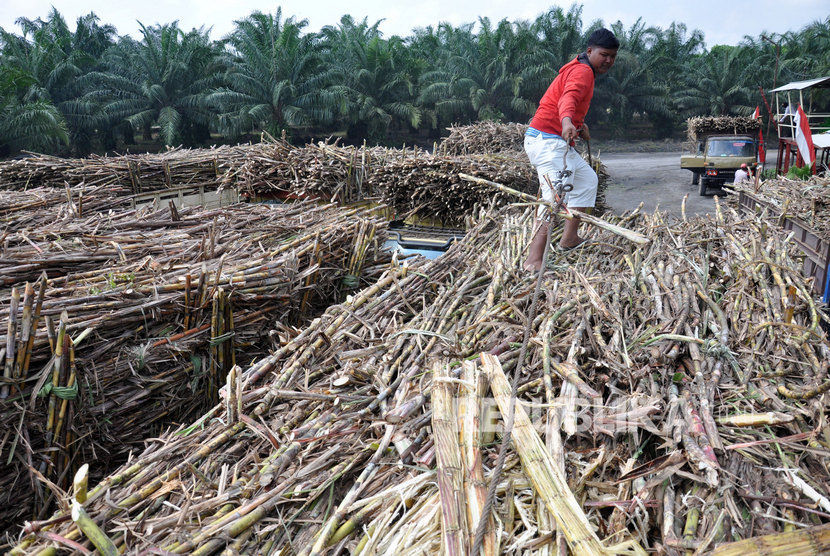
[703, 183]
[695, 178]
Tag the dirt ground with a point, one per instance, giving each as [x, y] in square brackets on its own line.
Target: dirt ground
[655, 179]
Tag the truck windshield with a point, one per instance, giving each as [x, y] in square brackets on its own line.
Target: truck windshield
[731, 147]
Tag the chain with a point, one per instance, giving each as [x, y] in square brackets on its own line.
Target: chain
[561, 186]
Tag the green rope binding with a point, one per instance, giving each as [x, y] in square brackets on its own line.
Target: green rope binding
[62, 392]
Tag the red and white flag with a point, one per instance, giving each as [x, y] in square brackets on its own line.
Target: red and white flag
[756, 114]
[803, 137]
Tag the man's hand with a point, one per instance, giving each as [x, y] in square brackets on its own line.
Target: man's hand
[569, 132]
[584, 132]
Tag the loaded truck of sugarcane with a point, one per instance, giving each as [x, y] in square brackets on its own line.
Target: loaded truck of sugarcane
[718, 145]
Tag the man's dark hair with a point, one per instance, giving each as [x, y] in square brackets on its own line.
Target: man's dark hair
[603, 38]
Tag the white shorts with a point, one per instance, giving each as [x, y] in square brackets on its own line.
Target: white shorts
[546, 154]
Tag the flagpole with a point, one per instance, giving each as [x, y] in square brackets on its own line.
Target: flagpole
[762, 148]
[774, 75]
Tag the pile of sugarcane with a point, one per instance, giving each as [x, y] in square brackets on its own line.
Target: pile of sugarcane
[324, 170]
[115, 325]
[428, 185]
[411, 181]
[483, 138]
[699, 126]
[670, 399]
[42, 207]
[139, 172]
[808, 201]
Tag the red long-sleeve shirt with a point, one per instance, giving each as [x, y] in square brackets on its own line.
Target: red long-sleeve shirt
[569, 95]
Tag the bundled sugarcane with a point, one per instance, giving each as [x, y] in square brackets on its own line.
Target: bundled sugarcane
[670, 400]
[139, 172]
[136, 319]
[429, 185]
[698, 127]
[324, 170]
[483, 138]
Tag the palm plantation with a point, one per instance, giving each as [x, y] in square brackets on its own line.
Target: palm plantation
[72, 92]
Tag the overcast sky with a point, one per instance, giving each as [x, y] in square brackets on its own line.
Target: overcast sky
[723, 22]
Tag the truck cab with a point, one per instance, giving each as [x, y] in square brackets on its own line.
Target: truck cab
[717, 159]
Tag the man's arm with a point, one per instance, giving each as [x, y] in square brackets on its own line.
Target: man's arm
[578, 87]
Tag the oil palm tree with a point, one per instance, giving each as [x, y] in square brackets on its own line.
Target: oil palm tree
[806, 53]
[27, 123]
[560, 35]
[160, 81]
[484, 76]
[380, 85]
[631, 87]
[275, 78]
[626, 90]
[48, 64]
[717, 83]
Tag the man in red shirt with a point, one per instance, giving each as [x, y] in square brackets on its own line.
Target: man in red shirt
[549, 140]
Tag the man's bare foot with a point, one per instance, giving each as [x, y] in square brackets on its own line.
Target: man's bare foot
[532, 266]
[568, 247]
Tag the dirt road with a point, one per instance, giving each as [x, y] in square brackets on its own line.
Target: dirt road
[655, 179]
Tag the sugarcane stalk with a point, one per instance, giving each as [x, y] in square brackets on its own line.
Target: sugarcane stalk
[315, 256]
[232, 411]
[756, 419]
[570, 372]
[351, 525]
[454, 530]
[469, 410]
[215, 349]
[667, 529]
[27, 330]
[810, 540]
[632, 236]
[547, 480]
[56, 371]
[692, 519]
[91, 530]
[230, 344]
[186, 322]
[11, 339]
[80, 484]
[220, 338]
[69, 384]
